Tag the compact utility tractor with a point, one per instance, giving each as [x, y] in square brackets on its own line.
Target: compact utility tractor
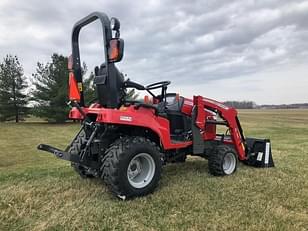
[126, 142]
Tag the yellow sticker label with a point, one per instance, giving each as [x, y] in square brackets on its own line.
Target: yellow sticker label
[80, 86]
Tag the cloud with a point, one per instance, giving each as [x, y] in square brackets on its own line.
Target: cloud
[187, 42]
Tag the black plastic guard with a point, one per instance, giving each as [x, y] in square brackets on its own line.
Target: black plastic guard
[259, 153]
[198, 142]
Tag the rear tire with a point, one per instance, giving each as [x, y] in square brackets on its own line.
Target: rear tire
[222, 161]
[132, 167]
[75, 149]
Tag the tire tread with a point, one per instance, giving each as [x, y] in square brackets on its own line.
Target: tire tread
[215, 159]
[115, 155]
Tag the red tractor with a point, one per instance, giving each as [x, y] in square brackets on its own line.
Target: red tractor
[126, 143]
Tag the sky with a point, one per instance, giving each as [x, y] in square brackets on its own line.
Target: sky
[221, 49]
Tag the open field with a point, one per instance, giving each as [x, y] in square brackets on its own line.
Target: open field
[39, 192]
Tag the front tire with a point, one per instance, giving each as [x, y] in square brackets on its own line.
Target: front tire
[222, 161]
[132, 167]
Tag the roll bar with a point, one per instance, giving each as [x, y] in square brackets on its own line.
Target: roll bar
[107, 35]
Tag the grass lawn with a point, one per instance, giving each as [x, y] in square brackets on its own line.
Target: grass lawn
[40, 192]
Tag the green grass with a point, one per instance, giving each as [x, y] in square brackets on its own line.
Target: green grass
[39, 192]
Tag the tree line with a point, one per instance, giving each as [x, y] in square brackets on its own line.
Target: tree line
[241, 104]
[44, 94]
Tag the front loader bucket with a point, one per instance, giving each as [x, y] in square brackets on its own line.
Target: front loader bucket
[259, 153]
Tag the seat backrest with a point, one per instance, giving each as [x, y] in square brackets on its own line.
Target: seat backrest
[109, 86]
[172, 104]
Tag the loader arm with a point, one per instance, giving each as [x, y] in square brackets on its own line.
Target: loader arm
[228, 114]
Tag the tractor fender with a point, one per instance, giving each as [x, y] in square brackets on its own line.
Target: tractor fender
[141, 117]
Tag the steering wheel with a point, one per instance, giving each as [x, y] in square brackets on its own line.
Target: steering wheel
[157, 85]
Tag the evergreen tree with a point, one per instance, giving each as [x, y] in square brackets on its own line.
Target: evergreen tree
[51, 87]
[13, 99]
